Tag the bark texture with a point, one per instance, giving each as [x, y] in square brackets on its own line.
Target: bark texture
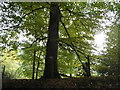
[51, 68]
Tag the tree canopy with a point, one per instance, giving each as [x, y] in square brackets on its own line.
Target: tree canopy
[35, 29]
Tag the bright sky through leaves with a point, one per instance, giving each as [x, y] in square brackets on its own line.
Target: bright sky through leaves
[100, 41]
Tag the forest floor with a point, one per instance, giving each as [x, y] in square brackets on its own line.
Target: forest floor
[94, 83]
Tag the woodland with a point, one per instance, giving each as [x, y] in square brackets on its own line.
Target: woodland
[53, 42]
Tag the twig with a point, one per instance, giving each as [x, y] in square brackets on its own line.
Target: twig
[74, 12]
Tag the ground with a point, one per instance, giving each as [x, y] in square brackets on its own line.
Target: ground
[64, 83]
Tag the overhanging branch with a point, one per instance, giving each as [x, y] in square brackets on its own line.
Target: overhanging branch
[24, 17]
[34, 42]
[32, 11]
[72, 45]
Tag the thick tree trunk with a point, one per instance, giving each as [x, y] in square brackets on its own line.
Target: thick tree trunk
[51, 68]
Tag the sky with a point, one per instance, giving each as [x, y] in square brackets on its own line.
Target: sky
[100, 38]
[100, 41]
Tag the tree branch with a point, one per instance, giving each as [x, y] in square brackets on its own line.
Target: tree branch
[74, 13]
[34, 42]
[61, 45]
[24, 17]
[72, 45]
[32, 11]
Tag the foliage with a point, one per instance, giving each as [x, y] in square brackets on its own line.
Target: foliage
[77, 27]
[110, 62]
[10, 62]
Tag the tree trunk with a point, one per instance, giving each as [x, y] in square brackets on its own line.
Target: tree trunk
[34, 65]
[88, 74]
[86, 67]
[3, 71]
[38, 64]
[51, 68]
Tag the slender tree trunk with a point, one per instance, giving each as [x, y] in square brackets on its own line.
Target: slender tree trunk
[3, 71]
[51, 68]
[118, 43]
[70, 75]
[38, 64]
[34, 65]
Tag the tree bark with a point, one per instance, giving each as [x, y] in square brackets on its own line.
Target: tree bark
[38, 64]
[87, 67]
[3, 71]
[33, 76]
[51, 68]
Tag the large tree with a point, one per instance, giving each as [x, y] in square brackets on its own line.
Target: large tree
[51, 68]
[40, 21]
